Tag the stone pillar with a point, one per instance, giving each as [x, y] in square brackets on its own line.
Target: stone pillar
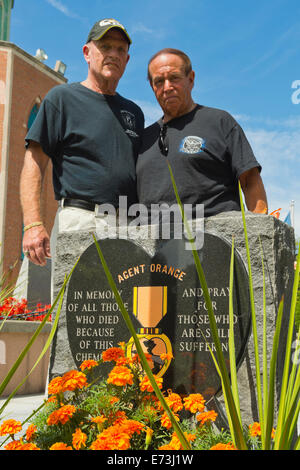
[278, 247]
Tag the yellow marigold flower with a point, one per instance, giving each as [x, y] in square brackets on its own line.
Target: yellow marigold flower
[221, 446]
[10, 426]
[54, 386]
[145, 384]
[73, 380]
[166, 422]
[206, 417]
[62, 415]
[78, 439]
[194, 402]
[174, 401]
[60, 446]
[14, 445]
[120, 376]
[88, 364]
[112, 354]
[30, 431]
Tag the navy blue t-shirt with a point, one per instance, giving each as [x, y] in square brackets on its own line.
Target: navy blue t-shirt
[93, 141]
[207, 151]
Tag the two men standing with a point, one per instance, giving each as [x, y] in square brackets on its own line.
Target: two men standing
[93, 137]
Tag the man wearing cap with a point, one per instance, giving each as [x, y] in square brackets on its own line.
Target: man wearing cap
[92, 136]
[207, 149]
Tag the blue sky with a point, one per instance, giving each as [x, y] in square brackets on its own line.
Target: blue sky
[246, 56]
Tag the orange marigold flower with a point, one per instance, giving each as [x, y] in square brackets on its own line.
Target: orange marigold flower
[112, 438]
[73, 380]
[30, 431]
[60, 446]
[174, 401]
[166, 422]
[145, 384]
[98, 419]
[206, 417]
[29, 446]
[114, 400]
[10, 426]
[194, 402]
[120, 376]
[88, 364]
[14, 445]
[131, 426]
[175, 443]
[123, 361]
[112, 354]
[118, 417]
[255, 429]
[54, 386]
[78, 439]
[221, 446]
[62, 415]
[166, 356]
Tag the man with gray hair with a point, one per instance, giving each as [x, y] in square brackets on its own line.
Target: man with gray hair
[92, 136]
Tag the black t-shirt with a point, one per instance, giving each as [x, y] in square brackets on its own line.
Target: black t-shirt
[93, 141]
[208, 151]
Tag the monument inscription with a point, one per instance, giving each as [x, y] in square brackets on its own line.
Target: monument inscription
[165, 301]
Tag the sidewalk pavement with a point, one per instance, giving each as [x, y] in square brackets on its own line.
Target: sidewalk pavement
[20, 408]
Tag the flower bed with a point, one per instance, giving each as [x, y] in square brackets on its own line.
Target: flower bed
[119, 413]
[13, 309]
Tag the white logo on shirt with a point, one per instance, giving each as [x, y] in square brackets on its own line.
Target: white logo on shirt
[192, 144]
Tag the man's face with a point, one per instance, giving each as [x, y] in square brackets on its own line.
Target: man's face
[107, 57]
[171, 85]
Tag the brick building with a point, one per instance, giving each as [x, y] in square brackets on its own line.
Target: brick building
[24, 82]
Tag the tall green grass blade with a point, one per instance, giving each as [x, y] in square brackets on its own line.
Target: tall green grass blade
[185, 444]
[232, 356]
[283, 405]
[265, 345]
[253, 317]
[238, 432]
[271, 395]
[22, 355]
[44, 350]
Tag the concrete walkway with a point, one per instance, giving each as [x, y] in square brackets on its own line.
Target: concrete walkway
[20, 408]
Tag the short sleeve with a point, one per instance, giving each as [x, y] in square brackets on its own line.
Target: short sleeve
[240, 151]
[46, 128]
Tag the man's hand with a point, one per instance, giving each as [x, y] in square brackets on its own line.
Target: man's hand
[36, 245]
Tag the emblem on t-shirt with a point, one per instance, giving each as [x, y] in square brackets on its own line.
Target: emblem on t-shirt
[129, 120]
[192, 144]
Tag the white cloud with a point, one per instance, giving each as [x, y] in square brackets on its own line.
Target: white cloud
[62, 8]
